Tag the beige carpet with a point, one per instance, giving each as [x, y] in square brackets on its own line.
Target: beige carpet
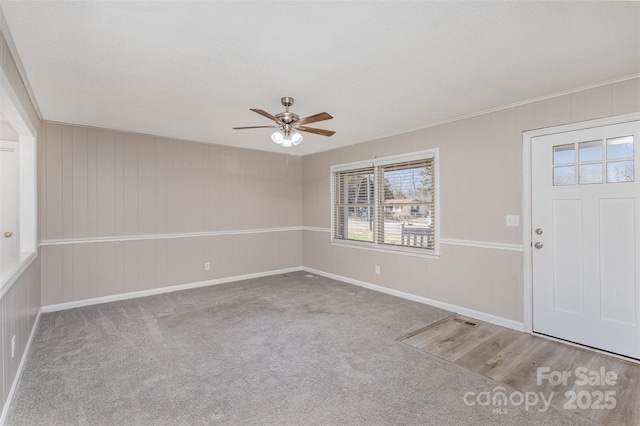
[282, 350]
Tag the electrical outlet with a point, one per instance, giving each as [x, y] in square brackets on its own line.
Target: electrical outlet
[377, 269]
[207, 266]
[13, 346]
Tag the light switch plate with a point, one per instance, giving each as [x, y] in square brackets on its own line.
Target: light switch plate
[513, 220]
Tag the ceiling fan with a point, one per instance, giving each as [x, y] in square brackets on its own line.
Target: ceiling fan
[289, 124]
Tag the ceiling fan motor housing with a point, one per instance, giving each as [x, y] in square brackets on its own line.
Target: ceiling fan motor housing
[287, 117]
[286, 101]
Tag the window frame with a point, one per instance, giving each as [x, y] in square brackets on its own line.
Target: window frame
[376, 163]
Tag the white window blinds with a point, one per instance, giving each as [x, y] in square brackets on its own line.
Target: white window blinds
[391, 203]
[354, 204]
[406, 208]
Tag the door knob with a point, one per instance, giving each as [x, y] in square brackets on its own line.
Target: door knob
[8, 234]
[538, 245]
[539, 231]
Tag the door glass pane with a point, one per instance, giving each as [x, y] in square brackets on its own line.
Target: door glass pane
[620, 148]
[564, 175]
[591, 151]
[620, 171]
[591, 173]
[564, 154]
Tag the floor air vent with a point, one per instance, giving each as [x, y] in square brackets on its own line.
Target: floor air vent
[464, 321]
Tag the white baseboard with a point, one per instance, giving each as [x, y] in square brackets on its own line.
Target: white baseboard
[482, 316]
[162, 290]
[23, 362]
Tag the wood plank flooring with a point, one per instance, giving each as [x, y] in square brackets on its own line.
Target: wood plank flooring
[513, 358]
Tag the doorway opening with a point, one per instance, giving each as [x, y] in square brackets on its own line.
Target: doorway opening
[18, 177]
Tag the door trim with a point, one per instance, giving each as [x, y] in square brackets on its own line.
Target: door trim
[526, 198]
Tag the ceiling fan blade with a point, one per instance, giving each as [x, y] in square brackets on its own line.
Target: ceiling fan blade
[266, 114]
[314, 118]
[316, 131]
[254, 127]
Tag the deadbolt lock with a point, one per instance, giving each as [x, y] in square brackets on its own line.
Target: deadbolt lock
[8, 234]
[539, 231]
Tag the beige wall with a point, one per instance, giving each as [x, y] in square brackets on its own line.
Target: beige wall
[480, 183]
[19, 306]
[99, 183]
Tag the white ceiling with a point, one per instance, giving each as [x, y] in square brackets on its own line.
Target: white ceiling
[192, 70]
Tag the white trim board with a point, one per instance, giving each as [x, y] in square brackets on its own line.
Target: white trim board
[446, 241]
[482, 244]
[482, 316]
[316, 229]
[7, 282]
[526, 198]
[382, 249]
[23, 362]
[110, 239]
[162, 290]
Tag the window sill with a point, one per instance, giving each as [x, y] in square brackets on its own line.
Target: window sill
[403, 251]
[11, 270]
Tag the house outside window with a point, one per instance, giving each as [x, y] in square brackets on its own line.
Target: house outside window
[387, 204]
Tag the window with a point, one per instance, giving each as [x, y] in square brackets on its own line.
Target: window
[388, 203]
[591, 162]
[354, 194]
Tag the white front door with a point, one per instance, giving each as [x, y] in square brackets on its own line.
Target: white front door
[586, 237]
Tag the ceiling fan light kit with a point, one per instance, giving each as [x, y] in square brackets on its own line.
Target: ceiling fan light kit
[290, 125]
[286, 140]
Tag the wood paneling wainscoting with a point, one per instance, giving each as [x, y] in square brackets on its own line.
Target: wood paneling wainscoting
[73, 272]
[19, 308]
[99, 184]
